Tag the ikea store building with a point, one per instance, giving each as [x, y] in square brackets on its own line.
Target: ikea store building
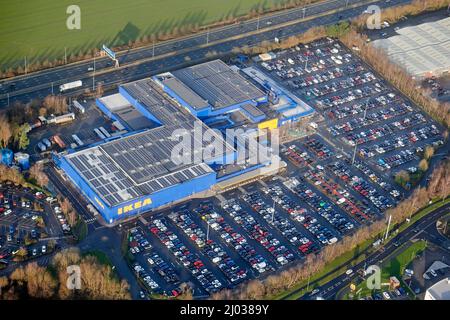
[136, 172]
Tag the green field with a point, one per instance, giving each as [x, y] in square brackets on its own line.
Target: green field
[37, 28]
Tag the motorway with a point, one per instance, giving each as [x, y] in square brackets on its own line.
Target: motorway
[168, 55]
[426, 224]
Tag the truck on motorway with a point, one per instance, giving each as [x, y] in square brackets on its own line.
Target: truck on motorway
[70, 85]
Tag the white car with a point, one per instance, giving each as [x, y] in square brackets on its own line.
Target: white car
[349, 272]
[7, 212]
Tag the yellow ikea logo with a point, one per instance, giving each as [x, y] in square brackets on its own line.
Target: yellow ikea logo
[134, 206]
[268, 124]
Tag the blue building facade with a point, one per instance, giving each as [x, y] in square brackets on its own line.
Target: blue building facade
[137, 205]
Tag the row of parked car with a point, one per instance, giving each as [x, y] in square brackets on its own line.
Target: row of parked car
[188, 259]
[350, 96]
[163, 269]
[338, 85]
[382, 100]
[399, 141]
[137, 242]
[142, 274]
[323, 207]
[274, 218]
[318, 148]
[384, 130]
[338, 195]
[396, 160]
[325, 76]
[303, 60]
[372, 117]
[361, 186]
[232, 238]
[217, 255]
[62, 219]
[256, 231]
[298, 157]
[361, 166]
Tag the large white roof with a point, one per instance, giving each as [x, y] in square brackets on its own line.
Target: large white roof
[422, 50]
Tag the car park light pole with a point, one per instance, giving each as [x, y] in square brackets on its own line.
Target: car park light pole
[273, 211]
[387, 229]
[207, 232]
[257, 24]
[304, 12]
[356, 144]
[93, 77]
[207, 36]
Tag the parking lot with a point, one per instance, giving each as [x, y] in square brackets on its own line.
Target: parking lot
[363, 114]
[212, 244]
[336, 179]
[26, 218]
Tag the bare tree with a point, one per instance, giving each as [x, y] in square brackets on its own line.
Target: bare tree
[5, 131]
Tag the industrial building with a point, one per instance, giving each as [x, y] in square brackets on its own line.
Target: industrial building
[423, 50]
[439, 291]
[139, 171]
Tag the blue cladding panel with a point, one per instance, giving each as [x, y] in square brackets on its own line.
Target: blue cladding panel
[158, 199]
[85, 189]
[168, 195]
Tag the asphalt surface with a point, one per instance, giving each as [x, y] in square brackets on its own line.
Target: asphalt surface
[135, 64]
[332, 288]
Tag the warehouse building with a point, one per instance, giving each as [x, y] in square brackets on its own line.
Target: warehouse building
[211, 89]
[423, 50]
[439, 291]
[138, 171]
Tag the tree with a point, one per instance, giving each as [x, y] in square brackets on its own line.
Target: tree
[23, 140]
[428, 153]
[423, 165]
[3, 283]
[402, 177]
[22, 253]
[97, 281]
[37, 173]
[5, 131]
[38, 280]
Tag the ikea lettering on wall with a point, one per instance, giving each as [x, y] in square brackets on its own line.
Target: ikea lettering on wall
[133, 206]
